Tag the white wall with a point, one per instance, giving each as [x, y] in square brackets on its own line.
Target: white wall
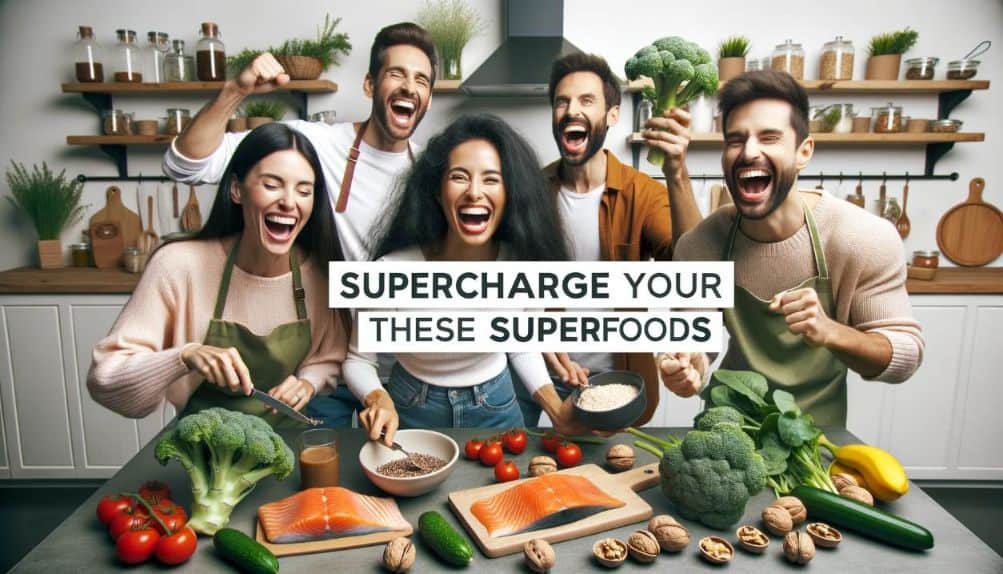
[36, 37]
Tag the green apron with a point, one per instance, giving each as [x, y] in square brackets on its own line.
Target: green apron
[761, 341]
[269, 358]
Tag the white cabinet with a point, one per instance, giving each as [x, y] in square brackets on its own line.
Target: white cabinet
[52, 428]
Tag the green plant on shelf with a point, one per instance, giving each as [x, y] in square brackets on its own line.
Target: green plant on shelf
[891, 43]
[49, 200]
[734, 47]
[264, 109]
[328, 46]
[451, 24]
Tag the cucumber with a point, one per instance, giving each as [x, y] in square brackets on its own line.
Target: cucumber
[244, 552]
[869, 521]
[442, 538]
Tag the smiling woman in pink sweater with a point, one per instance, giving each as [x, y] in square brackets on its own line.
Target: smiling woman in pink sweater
[241, 306]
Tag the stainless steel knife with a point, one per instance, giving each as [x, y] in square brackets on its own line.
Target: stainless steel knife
[284, 408]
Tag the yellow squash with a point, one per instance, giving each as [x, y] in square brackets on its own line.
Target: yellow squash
[882, 473]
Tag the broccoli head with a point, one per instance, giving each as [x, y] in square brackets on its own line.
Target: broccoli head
[710, 417]
[225, 453]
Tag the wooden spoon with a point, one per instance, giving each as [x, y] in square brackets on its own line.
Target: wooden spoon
[902, 225]
[174, 199]
[191, 217]
[147, 241]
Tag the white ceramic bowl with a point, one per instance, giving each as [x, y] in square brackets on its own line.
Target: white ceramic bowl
[372, 455]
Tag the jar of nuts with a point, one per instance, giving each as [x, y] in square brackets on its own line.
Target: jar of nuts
[116, 123]
[837, 60]
[789, 57]
[177, 121]
[920, 68]
[887, 119]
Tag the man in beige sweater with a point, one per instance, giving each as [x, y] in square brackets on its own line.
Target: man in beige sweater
[819, 283]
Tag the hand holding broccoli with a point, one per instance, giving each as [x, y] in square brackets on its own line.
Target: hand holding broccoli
[670, 134]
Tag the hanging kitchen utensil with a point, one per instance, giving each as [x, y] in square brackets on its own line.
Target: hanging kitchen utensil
[191, 216]
[821, 182]
[857, 198]
[126, 221]
[174, 199]
[149, 239]
[903, 225]
[971, 233]
[979, 49]
[882, 202]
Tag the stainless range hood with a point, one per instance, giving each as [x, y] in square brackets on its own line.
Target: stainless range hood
[521, 65]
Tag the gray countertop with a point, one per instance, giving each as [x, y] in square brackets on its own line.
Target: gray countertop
[81, 544]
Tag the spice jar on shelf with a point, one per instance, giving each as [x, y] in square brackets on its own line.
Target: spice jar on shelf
[210, 54]
[177, 66]
[116, 123]
[128, 60]
[156, 49]
[134, 260]
[920, 68]
[645, 109]
[926, 259]
[837, 60]
[962, 69]
[80, 254]
[87, 56]
[887, 119]
[177, 121]
[789, 57]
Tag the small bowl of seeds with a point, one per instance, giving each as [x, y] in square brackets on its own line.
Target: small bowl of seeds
[433, 456]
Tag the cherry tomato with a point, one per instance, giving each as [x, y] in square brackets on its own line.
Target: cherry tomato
[177, 547]
[136, 546]
[154, 491]
[111, 505]
[551, 441]
[514, 441]
[473, 448]
[171, 514]
[506, 471]
[491, 453]
[126, 521]
[569, 454]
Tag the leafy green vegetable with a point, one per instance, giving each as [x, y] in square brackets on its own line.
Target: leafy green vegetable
[893, 42]
[785, 402]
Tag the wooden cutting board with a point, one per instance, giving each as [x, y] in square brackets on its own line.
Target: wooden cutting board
[295, 548]
[971, 233]
[623, 486]
[116, 212]
[107, 244]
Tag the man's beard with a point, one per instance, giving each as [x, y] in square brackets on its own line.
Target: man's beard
[596, 135]
[782, 182]
[382, 111]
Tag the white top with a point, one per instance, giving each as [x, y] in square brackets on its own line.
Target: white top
[375, 177]
[359, 370]
[580, 215]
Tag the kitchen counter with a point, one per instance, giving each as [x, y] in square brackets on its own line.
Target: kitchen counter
[81, 544]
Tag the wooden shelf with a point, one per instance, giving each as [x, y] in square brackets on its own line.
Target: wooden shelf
[122, 88]
[861, 139]
[960, 280]
[869, 86]
[25, 280]
[447, 87]
[119, 140]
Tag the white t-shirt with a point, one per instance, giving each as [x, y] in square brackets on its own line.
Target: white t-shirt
[376, 175]
[580, 216]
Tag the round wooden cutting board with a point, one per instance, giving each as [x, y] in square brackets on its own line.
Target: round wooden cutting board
[971, 233]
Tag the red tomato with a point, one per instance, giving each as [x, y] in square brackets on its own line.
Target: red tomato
[177, 547]
[551, 441]
[154, 491]
[136, 546]
[491, 453]
[514, 441]
[506, 471]
[126, 521]
[111, 505]
[473, 448]
[569, 454]
[171, 514]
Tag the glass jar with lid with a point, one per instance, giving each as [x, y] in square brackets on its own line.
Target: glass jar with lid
[920, 68]
[156, 49]
[789, 57]
[210, 54]
[887, 119]
[128, 57]
[87, 59]
[837, 60]
[177, 121]
[80, 254]
[645, 109]
[962, 69]
[116, 123]
[177, 66]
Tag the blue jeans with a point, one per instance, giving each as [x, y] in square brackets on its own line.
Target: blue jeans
[531, 409]
[490, 404]
[335, 409]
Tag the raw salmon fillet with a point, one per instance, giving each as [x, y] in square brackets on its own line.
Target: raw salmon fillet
[543, 502]
[321, 513]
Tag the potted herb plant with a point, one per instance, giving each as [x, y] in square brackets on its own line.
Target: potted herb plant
[261, 112]
[51, 202]
[303, 59]
[237, 123]
[451, 24]
[731, 57]
[886, 51]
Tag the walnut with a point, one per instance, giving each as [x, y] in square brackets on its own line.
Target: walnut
[541, 465]
[643, 546]
[540, 556]
[398, 556]
[671, 535]
[777, 520]
[798, 547]
[824, 535]
[842, 480]
[858, 493]
[610, 552]
[716, 549]
[794, 507]
[620, 457]
[752, 539]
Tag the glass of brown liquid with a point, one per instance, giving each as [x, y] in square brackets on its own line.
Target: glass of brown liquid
[318, 458]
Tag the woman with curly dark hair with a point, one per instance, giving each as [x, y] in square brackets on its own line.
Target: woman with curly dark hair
[475, 194]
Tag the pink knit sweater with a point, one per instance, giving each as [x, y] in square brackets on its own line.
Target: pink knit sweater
[138, 365]
[866, 264]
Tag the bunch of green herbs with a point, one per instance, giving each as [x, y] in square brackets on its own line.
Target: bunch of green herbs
[326, 48]
[51, 201]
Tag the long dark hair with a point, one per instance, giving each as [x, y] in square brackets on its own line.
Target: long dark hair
[318, 237]
[531, 224]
